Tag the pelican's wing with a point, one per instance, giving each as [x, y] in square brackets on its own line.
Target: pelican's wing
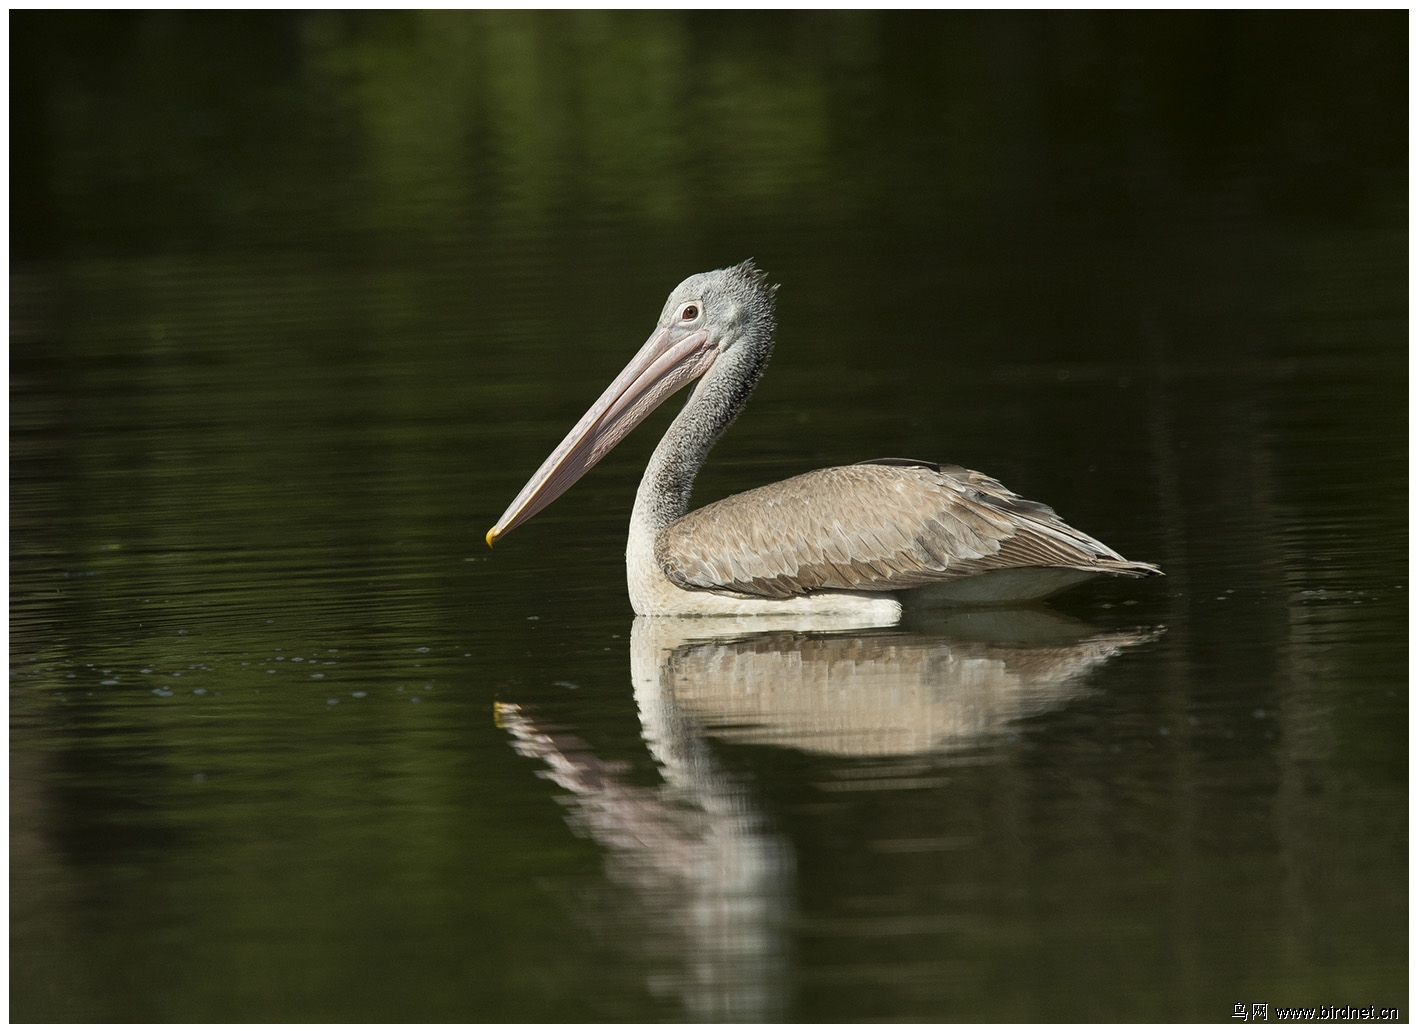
[879, 526]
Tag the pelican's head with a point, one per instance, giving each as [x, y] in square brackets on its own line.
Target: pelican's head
[726, 304]
[709, 315]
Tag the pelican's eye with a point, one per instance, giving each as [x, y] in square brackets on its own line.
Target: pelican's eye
[690, 313]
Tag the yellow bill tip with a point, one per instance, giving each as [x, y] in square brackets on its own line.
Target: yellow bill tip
[491, 536]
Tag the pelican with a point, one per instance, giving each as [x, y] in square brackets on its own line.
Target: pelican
[859, 540]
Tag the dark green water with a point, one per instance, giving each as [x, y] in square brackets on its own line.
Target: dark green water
[298, 303]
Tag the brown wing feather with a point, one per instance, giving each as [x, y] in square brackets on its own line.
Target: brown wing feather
[872, 527]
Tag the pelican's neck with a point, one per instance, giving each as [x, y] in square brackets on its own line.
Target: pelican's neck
[664, 493]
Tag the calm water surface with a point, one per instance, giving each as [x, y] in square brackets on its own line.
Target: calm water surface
[293, 320]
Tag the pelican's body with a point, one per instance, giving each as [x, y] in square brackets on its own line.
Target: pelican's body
[857, 540]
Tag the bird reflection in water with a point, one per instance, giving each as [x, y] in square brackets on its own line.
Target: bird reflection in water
[708, 874]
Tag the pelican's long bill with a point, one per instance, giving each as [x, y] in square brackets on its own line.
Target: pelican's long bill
[669, 360]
